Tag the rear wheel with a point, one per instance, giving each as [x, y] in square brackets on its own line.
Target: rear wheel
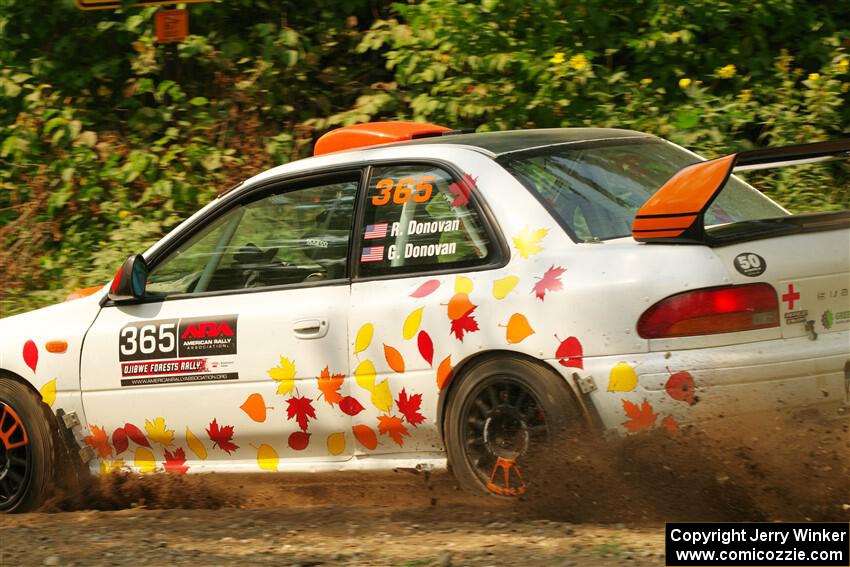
[26, 449]
[503, 413]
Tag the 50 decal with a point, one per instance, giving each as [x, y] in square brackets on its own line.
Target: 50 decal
[405, 189]
[148, 340]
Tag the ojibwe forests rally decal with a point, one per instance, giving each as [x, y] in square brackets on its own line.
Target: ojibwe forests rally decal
[172, 351]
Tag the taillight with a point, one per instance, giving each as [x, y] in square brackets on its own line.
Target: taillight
[710, 311]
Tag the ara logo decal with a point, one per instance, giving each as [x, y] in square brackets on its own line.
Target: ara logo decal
[208, 336]
[750, 264]
[207, 329]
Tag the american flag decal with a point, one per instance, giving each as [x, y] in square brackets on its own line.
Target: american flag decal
[376, 231]
[372, 254]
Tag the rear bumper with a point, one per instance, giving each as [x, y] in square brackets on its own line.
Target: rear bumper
[780, 374]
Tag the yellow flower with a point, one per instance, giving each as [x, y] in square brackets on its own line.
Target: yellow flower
[684, 82]
[814, 76]
[578, 62]
[745, 95]
[727, 71]
[558, 58]
[674, 35]
[123, 214]
[444, 57]
[646, 81]
[843, 65]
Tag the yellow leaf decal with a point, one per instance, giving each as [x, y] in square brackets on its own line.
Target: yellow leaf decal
[502, 287]
[336, 443]
[195, 445]
[365, 375]
[267, 458]
[364, 338]
[518, 329]
[622, 378]
[48, 393]
[411, 324]
[107, 466]
[159, 433]
[463, 285]
[394, 359]
[144, 460]
[527, 241]
[284, 375]
[381, 396]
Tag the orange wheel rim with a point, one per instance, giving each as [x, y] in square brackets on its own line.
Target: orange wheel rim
[10, 424]
[508, 472]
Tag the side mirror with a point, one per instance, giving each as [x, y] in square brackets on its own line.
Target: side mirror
[129, 283]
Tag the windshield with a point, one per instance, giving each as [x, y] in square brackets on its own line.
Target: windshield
[594, 189]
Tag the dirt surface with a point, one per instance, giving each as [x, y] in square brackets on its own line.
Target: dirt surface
[591, 503]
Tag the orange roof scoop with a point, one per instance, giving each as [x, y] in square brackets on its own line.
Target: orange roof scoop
[373, 134]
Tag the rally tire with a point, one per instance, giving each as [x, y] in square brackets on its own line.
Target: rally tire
[501, 411]
[25, 433]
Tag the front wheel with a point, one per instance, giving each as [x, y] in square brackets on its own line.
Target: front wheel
[503, 412]
[26, 449]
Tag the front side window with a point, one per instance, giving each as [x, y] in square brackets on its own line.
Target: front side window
[595, 189]
[292, 237]
[420, 218]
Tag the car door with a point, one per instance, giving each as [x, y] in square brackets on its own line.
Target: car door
[237, 356]
[423, 242]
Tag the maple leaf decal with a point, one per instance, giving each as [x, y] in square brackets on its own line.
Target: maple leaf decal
[301, 409]
[466, 323]
[394, 427]
[284, 375]
[158, 432]
[409, 407]
[551, 281]
[329, 384]
[221, 436]
[462, 190]
[527, 241]
[640, 417]
[175, 462]
[99, 441]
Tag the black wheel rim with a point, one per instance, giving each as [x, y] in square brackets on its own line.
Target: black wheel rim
[502, 421]
[15, 457]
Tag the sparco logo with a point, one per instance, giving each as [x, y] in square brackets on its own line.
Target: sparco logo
[207, 329]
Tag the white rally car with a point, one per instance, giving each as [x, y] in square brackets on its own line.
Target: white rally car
[412, 295]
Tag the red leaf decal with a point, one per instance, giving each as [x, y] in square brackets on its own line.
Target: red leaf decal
[570, 352]
[120, 441]
[465, 324]
[301, 409]
[394, 427]
[175, 462]
[222, 436]
[462, 190]
[680, 386]
[427, 288]
[299, 440]
[409, 407]
[31, 355]
[670, 424]
[350, 406]
[135, 434]
[426, 347]
[551, 281]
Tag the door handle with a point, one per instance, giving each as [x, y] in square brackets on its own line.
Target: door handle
[310, 328]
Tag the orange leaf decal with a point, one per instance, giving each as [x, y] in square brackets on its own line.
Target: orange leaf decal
[301, 409]
[409, 407]
[330, 384]
[394, 427]
[459, 305]
[175, 462]
[394, 359]
[551, 281]
[222, 436]
[444, 372]
[255, 407]
[427, 288]
[670, 424]
[365, 436]
[426, 347]
[518, 329]
[99, 441]
[640, 417]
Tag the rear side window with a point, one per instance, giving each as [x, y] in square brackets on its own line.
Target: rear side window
[420, 218]
[594, 190]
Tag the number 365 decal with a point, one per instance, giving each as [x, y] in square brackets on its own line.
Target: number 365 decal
[405, 189]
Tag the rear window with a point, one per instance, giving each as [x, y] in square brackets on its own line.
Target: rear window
[595, 189]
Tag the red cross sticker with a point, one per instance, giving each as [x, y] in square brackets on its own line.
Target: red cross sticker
[791, 296]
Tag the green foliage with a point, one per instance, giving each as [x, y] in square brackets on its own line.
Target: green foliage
[108, 139]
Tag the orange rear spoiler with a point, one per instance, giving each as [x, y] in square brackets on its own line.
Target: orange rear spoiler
[675, 213]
